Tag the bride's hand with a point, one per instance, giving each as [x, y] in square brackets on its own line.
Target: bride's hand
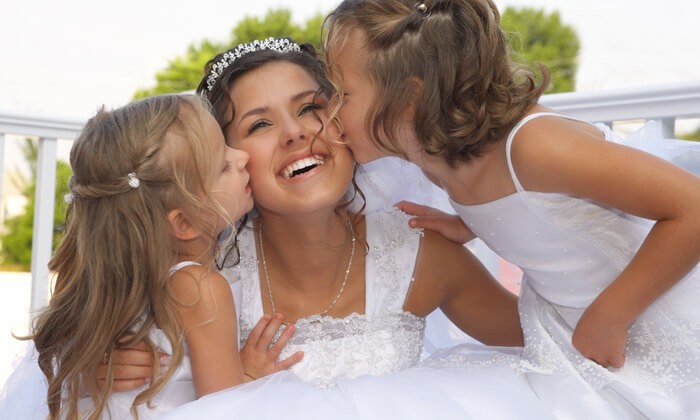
[131, 366]
[259, 356]
[448, 225]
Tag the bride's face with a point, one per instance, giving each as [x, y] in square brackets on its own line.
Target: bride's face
[295, 165]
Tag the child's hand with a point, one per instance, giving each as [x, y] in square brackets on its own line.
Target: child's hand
[599, 338]
[259, 356]
[448, 225]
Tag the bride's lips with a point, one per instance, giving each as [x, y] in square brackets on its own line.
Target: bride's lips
[300, 165]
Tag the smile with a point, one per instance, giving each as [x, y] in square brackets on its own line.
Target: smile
[301, 166]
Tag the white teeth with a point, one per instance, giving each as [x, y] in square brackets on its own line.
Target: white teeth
[300, 164]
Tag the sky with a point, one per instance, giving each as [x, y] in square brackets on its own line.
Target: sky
[66, 58]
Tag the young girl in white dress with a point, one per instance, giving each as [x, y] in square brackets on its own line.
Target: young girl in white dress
[153, 185]
[608, 237]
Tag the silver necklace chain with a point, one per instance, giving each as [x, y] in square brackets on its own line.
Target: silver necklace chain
[342, 286]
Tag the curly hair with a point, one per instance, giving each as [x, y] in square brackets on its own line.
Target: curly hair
[470, 93]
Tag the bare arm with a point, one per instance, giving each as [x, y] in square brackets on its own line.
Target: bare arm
[557, 155]
[449, 276]
[206, 309]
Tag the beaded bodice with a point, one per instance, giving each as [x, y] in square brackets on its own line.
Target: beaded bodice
[384, 339]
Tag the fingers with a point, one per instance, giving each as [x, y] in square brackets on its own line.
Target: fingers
[414, 208]
[132, 356]
[618, 361]
[435, 223]
[269, 332]
[125, 385]
[258, 329]
[290, 361]
[287, 334]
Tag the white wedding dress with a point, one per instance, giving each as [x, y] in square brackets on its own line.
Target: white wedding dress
[367, 366]
[569, 250]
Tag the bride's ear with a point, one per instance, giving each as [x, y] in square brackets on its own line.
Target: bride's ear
[181, 226]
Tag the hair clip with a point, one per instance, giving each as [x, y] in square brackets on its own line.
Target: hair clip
[421, 7]
[133, 181]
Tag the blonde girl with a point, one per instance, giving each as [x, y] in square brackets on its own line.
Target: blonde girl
[153, 185]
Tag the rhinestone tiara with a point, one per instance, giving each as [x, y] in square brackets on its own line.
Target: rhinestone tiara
[275, 44]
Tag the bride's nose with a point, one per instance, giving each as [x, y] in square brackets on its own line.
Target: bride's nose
[294, 132]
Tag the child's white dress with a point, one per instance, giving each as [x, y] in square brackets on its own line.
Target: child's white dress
[23, 396]
[570, 249]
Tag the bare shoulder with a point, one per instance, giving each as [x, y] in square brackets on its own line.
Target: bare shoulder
[197, 288]
[554, 145]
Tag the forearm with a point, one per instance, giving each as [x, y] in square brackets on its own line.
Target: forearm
[669, 252]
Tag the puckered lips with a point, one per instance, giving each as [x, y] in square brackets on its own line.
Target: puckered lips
[301, 166]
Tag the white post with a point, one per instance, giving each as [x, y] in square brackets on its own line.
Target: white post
[2, 178]
[42, 237]
[668, 127]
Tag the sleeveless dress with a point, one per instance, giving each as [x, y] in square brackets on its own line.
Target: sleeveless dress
[24, 396]
[366, 366]
[569, 250]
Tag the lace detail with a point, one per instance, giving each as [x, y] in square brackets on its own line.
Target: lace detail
[336, 348]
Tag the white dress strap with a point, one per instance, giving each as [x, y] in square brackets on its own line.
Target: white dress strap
[181, 265]
[514, 131]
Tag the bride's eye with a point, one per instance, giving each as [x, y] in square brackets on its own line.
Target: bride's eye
[310, 107]
[257, 125]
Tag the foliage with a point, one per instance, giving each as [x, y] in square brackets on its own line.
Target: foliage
[184, 73]
[695, 135]
[537, 37]
[17, 237]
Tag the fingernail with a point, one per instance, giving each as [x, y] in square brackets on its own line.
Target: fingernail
[165, 360]
[147, 379]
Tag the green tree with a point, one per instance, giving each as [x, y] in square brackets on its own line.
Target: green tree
[184, 73]
[534, 37]
[16, 250]
[695, 135]
[537, 37]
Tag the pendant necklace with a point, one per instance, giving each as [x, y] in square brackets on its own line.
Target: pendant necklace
[342, 286]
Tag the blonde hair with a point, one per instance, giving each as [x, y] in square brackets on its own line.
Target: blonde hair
[112, 267]
[468, 93]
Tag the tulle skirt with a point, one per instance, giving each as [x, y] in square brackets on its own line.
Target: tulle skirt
[423, 392]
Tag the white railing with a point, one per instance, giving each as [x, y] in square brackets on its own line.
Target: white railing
[664, 103]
